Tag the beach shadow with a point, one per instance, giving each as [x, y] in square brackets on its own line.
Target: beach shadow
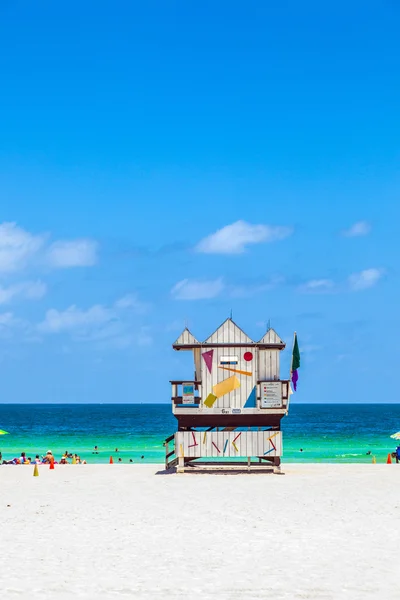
[203, 470]
[171, 471]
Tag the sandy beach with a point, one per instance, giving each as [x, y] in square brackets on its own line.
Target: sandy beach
[320, 532]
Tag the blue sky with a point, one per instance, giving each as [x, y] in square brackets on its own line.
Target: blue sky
[166, 162]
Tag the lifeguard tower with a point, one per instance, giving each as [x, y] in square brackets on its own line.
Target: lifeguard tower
[233, 407]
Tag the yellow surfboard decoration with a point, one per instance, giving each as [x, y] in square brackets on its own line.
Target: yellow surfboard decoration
[226, 386]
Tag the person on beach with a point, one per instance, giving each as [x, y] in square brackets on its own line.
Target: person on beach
[37, 459]
[48, 458]
[64, 461]
[397, 454]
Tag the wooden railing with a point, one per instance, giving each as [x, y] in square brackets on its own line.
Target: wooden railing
[177, 395]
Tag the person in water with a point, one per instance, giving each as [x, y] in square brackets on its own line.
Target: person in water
[48, 458]
[96, 450]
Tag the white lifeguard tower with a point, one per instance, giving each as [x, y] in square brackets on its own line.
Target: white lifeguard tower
[233, 407]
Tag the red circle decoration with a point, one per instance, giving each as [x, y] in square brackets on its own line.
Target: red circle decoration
[248, 356]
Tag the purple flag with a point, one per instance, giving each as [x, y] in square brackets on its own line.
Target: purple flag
[295, 377]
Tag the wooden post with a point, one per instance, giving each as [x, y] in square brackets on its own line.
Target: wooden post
[277, 465]
[181, 465]
[166, 454]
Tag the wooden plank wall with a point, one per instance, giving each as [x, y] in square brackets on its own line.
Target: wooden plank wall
[268, 365]
[232, 444]
[238, 397]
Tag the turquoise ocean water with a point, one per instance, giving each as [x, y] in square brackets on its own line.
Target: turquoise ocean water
[326, 433]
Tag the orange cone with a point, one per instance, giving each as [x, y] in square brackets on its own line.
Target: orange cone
[52, 463]
[389, 459]
[36, 471]
[111, 460]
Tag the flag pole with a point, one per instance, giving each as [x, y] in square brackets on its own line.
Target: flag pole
[291, 371]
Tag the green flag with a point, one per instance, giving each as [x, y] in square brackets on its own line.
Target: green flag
[295, 355]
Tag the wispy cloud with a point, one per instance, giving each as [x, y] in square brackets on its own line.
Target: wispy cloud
[75, 318]
[73, 253]
[112, 324]
[358, 229]
[356, 282]
[20, 248]
[365, 279]
[31, 290]
[132, 302]
[235, 238]
[17, 247]
[192, 289]
[252, 289]
[317, 286]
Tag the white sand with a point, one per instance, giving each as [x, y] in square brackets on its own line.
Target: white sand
[119, 531]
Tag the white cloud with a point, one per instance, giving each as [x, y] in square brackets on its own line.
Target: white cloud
[197, 290]
[31, 290]
[234, 238]
[6, 319]
[131, 302]
[358, 229]
[17, 247]
[249, 290]
[317, 286]
[108, 327]
[365, 279]
[75, 318]
[74, 253]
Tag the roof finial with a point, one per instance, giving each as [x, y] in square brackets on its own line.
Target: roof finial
[231, 314]
[269, 325]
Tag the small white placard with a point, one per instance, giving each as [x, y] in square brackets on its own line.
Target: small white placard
[228, 360]
[187, 393]
[271, 394]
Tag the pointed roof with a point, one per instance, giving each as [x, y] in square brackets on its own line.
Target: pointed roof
[186, 339]
[229, 333]
[271, 338]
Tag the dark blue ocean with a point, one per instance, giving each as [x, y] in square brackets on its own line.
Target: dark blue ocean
[326, 433]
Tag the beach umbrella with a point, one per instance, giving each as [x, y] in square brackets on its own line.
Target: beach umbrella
[2, 432]
[396, 436]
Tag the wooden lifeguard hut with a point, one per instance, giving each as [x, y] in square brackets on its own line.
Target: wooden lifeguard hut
[233, 407]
